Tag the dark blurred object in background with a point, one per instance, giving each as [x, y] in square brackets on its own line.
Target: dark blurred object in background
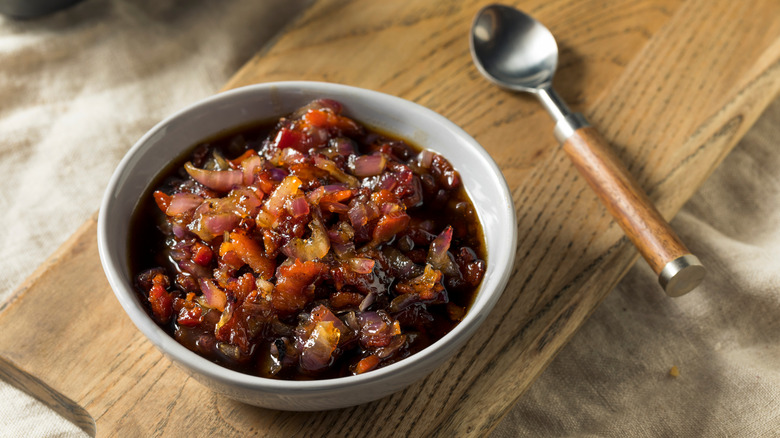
[32, 8]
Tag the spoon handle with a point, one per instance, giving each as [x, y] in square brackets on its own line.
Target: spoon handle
[679, 271]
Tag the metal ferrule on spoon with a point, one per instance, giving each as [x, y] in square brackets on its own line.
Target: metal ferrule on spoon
[515, 51]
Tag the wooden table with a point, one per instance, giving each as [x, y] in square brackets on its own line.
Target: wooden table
[672, 84]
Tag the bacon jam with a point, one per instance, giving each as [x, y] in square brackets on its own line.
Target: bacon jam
[313, 248]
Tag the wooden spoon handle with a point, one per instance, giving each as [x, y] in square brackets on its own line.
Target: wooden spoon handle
[679, 271]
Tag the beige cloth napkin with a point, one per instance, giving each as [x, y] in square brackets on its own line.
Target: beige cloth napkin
[79, 87]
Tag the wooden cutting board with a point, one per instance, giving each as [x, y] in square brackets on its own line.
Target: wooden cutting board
[672, 84]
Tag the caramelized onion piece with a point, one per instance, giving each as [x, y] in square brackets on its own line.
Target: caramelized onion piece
[369, 165]
[215, 297]
[330, 167]
[219, 180]
[274, 205]
[317, 350]
[314, 248]
[183, 203]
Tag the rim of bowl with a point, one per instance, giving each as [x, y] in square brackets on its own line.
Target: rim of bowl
[503, 255]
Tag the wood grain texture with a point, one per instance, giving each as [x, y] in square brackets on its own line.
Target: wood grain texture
[671, 84]
[630, 207]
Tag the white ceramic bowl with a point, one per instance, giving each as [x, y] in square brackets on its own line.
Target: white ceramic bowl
[171, 137]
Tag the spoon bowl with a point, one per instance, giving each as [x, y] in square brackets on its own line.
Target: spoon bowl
[514, 50]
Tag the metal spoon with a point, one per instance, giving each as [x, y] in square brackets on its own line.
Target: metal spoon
[517, 52]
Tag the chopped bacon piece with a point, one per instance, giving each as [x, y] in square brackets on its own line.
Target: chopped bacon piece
[294, 285]
[162, 200]
[342, 300]
[160, 299]
[236, 162]
[389, 225]
[367, 364]
[249, 250]
[190, 313]
[331, 120]
[287, 138]
[202, 254]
